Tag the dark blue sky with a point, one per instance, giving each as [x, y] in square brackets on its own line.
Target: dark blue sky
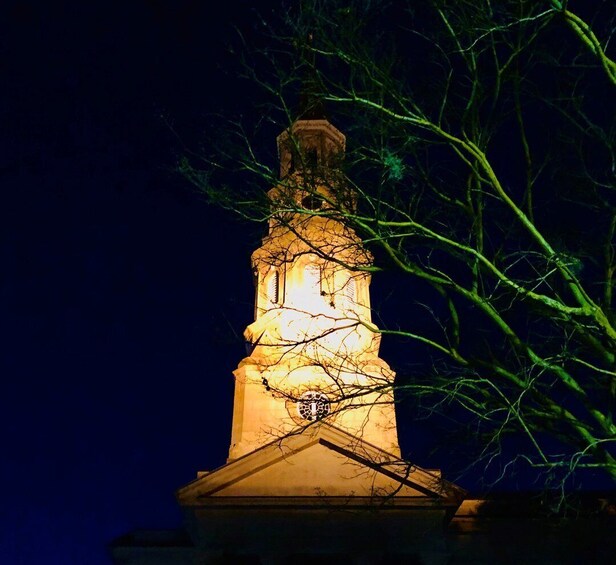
[122, 295]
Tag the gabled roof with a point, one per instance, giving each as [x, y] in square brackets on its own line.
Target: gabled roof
[320, 462]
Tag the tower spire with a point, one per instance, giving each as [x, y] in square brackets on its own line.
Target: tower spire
[311, 106]
[314, 351]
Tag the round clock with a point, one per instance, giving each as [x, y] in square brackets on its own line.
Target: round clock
[313, 405]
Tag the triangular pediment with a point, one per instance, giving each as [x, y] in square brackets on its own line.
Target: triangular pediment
[319, 462]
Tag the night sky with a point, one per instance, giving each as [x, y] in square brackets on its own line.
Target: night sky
[122, 294]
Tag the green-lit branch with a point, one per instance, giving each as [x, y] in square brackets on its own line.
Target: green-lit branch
[588, 38]
[447, 196]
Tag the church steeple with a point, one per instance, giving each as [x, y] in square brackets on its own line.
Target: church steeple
[314, 469]
[313, 346]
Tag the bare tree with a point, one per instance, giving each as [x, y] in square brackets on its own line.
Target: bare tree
[482, 165]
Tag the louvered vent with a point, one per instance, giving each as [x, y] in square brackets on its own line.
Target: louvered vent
[273, 288]
[350, 292]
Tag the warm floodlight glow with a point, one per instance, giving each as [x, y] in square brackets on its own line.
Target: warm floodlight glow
[313, 350]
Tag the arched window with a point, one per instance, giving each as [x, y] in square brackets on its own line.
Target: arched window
[291, 163]
[312, 157]
[273, 287]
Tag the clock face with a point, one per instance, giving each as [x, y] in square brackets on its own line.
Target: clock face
[313, 405]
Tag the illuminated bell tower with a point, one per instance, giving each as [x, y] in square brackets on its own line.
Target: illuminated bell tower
[314, 467]
[314, 472]
[313, 349]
